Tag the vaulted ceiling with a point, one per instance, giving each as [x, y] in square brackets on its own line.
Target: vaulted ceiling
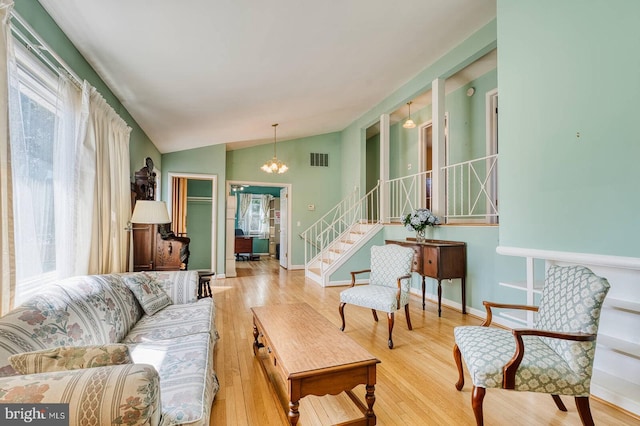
[201, 72]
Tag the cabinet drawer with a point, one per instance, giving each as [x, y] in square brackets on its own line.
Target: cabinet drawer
[430, 261]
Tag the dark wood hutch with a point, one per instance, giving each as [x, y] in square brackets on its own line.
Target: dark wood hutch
[155, 247]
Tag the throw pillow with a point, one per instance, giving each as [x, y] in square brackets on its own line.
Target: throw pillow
[70, 358]
[148, 291]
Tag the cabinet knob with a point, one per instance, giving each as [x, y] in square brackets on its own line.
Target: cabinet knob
[430, 261]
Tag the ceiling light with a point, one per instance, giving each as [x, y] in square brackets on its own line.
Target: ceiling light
[274, 165]
[409, 124]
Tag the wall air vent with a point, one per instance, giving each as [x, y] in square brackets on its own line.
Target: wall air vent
[319, 160]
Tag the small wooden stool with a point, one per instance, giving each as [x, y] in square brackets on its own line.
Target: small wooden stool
[204, 283]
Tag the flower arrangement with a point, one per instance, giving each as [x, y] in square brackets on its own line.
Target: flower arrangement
[419, 219]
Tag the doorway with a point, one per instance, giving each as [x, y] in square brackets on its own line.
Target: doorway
[283, 220]
[198, 215]
[491, 108]
[425, 154]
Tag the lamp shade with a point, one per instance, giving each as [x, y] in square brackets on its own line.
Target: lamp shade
[147, 211]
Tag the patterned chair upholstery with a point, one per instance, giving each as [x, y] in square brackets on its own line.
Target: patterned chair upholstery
[555, 357]
[388, 287]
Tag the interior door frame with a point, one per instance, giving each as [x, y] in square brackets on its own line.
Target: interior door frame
[491, 111]
[214, 206]
[273, 185]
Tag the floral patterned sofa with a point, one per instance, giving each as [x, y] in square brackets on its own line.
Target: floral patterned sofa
[90, 342]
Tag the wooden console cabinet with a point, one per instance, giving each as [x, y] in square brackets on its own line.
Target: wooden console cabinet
[152, 252]
[440, 260]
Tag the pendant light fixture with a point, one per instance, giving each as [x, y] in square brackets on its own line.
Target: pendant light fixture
[274, 165]
[409, 124]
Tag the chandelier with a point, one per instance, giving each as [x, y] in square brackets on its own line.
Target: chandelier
[409, 124]
[274, 165]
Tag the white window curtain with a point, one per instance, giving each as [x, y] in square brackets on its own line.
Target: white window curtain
[73, 177]
[264, 214]
[7, 259]
[64, 177]
[108, 134]
[243, 212]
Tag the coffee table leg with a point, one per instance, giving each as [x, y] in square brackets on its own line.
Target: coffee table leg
[370, 397]
[256, 344]
[294, 415]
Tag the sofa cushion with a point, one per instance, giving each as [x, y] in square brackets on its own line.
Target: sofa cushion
[181, 286]
[70, 358]
[121, 394]
[174, 321]
[187, 381]
[148, 291]
[106, 306]
[78, 311]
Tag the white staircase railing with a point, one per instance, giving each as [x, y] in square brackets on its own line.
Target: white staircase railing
[337, 224]
[408, 193]
[472, 189]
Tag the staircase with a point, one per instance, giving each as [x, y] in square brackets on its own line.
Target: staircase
[339, 233]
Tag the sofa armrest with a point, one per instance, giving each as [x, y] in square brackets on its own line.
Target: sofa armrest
[120, 394]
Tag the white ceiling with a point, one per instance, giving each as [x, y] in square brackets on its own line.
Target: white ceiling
[201, 72]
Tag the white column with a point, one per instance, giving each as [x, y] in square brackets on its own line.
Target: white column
[438, 148]
[384, 168]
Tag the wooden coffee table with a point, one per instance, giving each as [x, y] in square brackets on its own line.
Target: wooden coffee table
[313, 357]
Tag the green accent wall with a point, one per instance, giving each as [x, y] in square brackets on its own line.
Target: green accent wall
[569, 89]
[309, 185]
[199, 194]
[209, 160]
[140, 146]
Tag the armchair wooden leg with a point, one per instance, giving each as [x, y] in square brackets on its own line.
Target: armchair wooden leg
[375, 315]
[477, 396]
[341, 309]
[406, 314]
[457, 356]
[559, 403]
[391, 320]
[582, 403]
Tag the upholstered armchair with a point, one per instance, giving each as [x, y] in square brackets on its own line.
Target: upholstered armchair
[555, 357]
[388, 287]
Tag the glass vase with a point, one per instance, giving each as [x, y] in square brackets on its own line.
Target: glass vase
[420, 236]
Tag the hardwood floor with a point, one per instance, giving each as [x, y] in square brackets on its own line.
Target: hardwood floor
[415, 383]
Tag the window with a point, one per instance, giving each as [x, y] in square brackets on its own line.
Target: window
[255, 221]
[32, 142]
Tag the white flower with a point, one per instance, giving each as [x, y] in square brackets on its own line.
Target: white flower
[419, 219]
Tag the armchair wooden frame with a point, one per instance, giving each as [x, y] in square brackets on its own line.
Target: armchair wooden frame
[390, 315]
[509, 370]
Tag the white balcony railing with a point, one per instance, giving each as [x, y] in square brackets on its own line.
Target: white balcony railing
[471, 196]
[472, 189]
[408, 193]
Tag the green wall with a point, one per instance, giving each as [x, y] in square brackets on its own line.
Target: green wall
[568, 68]
[309, 185]
[199, 223]
[140, 146]
[209, 160]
